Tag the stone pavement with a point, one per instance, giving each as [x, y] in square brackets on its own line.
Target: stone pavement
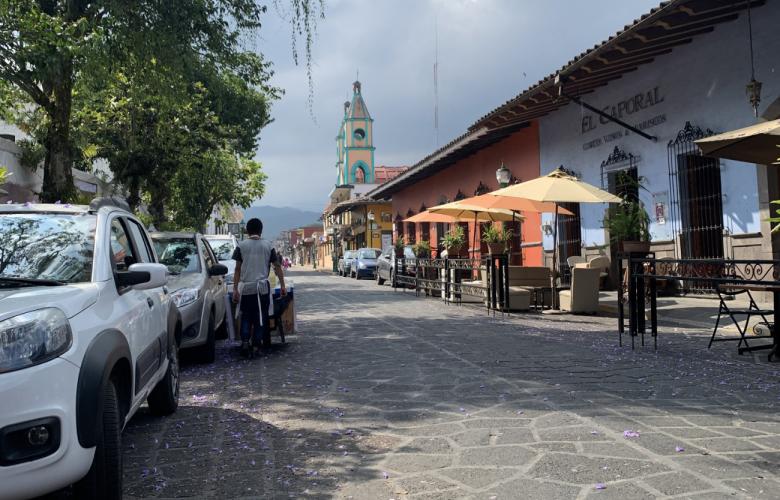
[384, 395]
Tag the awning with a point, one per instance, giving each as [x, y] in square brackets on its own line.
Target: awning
[758, 143]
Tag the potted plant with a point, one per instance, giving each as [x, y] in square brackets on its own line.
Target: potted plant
[422, 250]
[399, 245]
[496, 239]
[454, 241]
[628, 223]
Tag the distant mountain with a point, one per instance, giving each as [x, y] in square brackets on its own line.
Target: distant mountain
[278, 219]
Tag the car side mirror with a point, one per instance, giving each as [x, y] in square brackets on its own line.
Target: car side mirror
[143, 276]
[218, 270]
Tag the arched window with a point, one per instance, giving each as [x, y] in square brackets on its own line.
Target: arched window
[360, 173]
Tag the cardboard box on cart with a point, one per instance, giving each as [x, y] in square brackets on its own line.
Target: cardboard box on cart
[287, 317]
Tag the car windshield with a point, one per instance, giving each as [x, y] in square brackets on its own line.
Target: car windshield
[179, 254]
[349, 254]
[223, 249]
[54, 247]
[408, 253]
[368, 254]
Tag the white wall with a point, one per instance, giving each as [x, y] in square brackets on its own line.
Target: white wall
[702, 82]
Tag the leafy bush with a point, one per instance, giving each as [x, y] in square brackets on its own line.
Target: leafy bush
[628, 221]
[399, 245]
[422, 249]
[454, 239]
[492, 234]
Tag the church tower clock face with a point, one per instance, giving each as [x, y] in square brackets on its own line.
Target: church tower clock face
[359, 134]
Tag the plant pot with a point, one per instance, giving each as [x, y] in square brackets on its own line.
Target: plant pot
[456, 252]
[634, 246]
[496, 248]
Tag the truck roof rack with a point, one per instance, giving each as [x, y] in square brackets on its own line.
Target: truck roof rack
[109, 201]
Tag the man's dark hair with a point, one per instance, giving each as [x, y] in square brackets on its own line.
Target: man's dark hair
[254, 226]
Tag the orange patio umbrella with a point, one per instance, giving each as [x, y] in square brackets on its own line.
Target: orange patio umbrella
[427, 216]
[515, 204]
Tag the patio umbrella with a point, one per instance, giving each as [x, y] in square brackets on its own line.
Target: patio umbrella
[515, 204]
[758, 143]
[557, 187]
[426, 216]
[466, 211]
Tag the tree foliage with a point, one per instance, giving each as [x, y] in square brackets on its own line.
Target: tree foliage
[164, 91]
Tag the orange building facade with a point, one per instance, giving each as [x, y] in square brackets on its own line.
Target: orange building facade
[466, 167]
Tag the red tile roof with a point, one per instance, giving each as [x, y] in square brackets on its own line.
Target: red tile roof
[384, 173]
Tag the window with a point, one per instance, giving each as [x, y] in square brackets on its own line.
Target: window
[359, 134]
[426, 231]
[121, 248]
[141, 243]
[207, 256]
[47, 246]
[222, 248]
[180, 255]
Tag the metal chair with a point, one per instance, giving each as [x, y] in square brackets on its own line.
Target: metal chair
[726, 294]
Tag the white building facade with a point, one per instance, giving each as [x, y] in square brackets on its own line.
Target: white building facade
[699, 207]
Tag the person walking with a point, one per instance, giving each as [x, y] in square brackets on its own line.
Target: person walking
[254, 257]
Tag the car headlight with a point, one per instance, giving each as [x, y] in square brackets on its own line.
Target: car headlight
[362, 265]
[185, 296]
[33, 338]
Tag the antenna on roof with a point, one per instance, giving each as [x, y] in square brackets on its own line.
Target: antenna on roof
[436, 80]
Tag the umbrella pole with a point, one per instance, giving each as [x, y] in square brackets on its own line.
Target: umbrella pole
[554, 287]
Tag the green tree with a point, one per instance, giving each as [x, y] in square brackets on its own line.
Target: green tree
[48, 46]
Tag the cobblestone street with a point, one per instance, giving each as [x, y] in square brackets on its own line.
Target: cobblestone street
[384, 395]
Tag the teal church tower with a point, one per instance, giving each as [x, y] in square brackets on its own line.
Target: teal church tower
[355, 142]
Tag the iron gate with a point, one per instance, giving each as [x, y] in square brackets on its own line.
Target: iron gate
[695, 200]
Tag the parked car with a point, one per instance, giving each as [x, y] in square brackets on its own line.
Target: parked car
[88, 333]
[223, 246]
[197, 286]
[385, 266]
[346, 263]
[365, 262]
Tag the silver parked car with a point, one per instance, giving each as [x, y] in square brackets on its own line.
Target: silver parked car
[223, 246]
[197, 287]
[345, 265]
[365, 263]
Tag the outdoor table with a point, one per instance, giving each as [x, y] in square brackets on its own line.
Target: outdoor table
[775, 291]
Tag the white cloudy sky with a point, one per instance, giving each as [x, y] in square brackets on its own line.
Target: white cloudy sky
[489, 51]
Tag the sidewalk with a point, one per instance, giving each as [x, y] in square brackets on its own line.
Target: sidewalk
[691, 311]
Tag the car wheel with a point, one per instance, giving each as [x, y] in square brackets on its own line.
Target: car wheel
[207, 352]
[164, 398]
[104, 479]
[379, 279]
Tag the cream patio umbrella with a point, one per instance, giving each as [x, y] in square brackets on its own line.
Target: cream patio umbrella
[557, 187]
[758, 143]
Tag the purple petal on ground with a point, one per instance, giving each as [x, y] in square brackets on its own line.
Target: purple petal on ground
[630, 434]
[385, 475]
[595, 433]
[679, 449]
[601, 486]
